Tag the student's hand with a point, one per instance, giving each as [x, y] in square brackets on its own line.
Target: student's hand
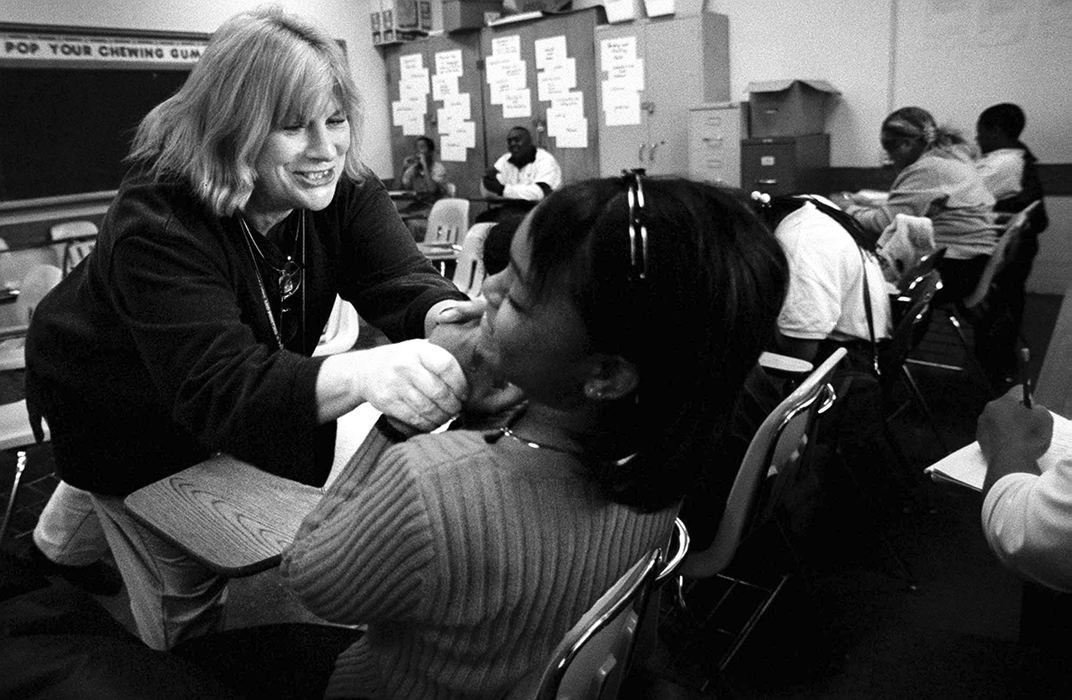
[416, 382]
[491, 182]
[842, 199]
[1012, 436]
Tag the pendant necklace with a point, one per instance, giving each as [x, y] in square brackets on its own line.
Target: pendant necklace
[290, 275]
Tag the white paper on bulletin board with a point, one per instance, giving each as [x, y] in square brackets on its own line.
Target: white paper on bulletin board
[506, 45]
[617, 51]
[549, 51]
[573, 134]
[444, 85]
[517, 104]
[451, 148]
[448, 62]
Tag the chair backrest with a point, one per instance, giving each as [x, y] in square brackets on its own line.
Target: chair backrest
[78, 239]
[341, 331]
[1003, 251]
[591, 660]
[915, 301]
[448, 220]
[771, 459]
[35, 285]
[469, 269]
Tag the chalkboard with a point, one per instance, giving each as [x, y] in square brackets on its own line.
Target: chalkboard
[67, 131]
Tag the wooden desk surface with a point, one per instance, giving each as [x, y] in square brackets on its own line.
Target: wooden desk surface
[231, 516]
[234, 518]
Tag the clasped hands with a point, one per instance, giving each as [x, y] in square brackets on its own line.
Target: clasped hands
[421, 384]
[491, 182]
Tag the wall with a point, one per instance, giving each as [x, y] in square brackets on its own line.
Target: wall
[345, 19]
[953, 57]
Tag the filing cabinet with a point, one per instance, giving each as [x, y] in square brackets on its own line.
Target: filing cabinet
[715, 132]
[781, 164]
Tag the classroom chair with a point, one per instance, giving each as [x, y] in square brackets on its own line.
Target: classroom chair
[469, 270]
[593, 658]
[78, 239]
[769, 468]
[975, 306]
[341, 330]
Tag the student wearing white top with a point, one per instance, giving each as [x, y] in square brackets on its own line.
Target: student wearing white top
[827, 285]
[524, 171]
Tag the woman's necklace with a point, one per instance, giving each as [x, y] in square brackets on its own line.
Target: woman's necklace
[286, 276]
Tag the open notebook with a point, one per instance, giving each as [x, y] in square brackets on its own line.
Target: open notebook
[967, 466]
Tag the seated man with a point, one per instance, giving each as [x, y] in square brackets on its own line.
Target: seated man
[525, 172]
[837, 293]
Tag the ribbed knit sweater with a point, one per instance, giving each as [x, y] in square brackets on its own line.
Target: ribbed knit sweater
[467, 560]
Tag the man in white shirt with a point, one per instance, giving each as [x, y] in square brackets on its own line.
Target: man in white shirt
[524, 171]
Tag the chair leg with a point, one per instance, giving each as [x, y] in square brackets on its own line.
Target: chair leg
[20, 467]
[924, 408]
[969, 353]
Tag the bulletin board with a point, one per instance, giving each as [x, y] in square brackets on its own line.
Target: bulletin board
[71, 99]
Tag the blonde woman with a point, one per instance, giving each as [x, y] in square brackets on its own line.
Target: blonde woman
[190, 327]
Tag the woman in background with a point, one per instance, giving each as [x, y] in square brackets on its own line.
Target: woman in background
[629, 314]
[936, 179]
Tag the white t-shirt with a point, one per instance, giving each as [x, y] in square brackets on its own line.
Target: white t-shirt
[521, 183]
[1003, 171]
[826, 281]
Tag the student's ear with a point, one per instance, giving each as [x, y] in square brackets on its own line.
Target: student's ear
[611, 378]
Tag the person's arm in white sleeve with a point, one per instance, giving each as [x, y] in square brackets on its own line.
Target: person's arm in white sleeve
[1026, 516]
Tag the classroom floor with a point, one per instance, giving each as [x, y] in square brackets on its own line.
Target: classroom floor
[846, 625]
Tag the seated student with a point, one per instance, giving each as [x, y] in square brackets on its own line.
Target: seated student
[1008, 169]
[524, 175]
[469, 555]
[837, 293]
[938, 180]
[427, 177]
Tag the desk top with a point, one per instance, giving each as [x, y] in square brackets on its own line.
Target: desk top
[236, 519]
[231, 516]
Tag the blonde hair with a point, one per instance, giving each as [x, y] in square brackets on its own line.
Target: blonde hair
[263, 68]
[918, 123]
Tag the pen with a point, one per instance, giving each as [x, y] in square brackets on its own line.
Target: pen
[1025, 377]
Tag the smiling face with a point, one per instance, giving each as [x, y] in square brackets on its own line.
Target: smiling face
[519, 143]
[539, 344]
[299, 165]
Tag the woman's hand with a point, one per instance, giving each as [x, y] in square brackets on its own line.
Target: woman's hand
[415, 382]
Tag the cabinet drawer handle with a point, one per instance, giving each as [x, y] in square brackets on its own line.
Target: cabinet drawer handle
[640, 153]
[766, 182]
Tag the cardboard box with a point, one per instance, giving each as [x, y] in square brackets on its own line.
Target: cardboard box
[791, 107]
[469, 14]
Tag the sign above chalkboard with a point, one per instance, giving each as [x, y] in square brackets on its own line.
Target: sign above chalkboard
[47, 49]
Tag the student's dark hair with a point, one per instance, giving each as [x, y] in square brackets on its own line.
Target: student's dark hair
[695, 327]
[918, 123]
[429, 142]
[1007, 117]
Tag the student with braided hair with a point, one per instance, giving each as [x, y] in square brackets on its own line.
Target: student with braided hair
[936, 179]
